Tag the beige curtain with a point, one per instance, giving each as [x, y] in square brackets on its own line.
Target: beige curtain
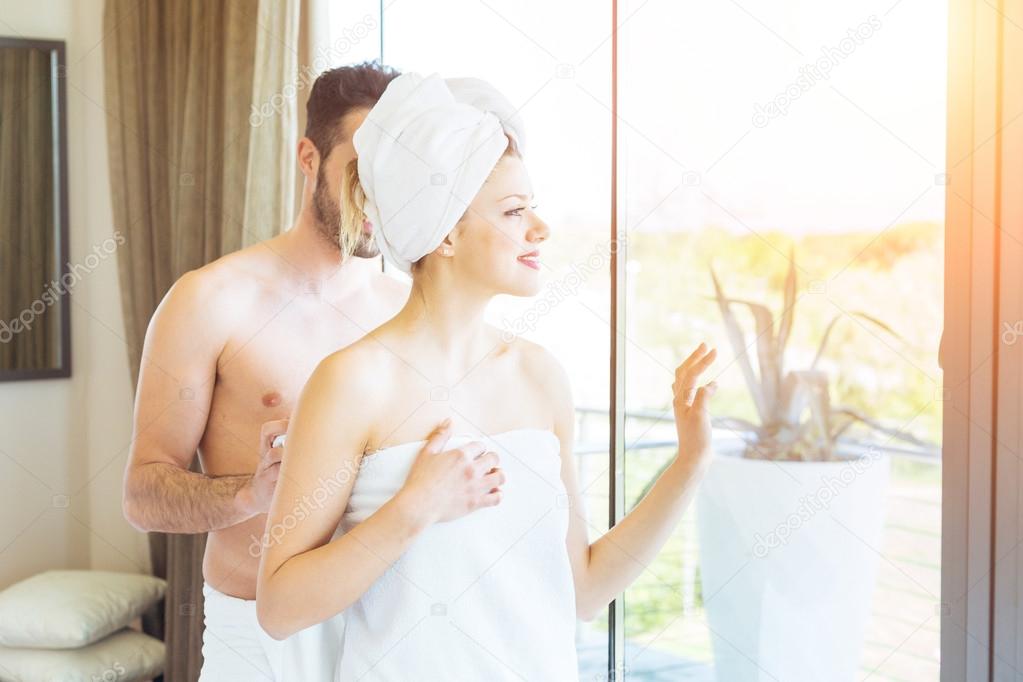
[194, 174]
[271, 144]
[28, 259]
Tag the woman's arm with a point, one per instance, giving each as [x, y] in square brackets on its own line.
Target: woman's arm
[304, 577]
[603, 569]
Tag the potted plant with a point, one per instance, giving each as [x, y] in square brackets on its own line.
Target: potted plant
[790, 515]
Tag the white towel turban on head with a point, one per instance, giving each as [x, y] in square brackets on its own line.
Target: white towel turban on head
[424, 151]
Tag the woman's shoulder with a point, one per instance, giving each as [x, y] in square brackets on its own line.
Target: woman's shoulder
[532, 355]
[540, 365]
[361, 369]
[548, 382]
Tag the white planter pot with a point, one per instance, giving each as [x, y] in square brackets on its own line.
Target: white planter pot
[787, 588]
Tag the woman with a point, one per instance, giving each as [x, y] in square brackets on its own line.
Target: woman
[452, 557]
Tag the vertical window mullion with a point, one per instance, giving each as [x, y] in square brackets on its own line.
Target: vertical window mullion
[1007, 617]
[616, 445]
[968, 344]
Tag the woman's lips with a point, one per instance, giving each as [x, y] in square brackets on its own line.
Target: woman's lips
[530, 260]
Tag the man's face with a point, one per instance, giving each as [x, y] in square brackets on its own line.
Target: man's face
[326, 196]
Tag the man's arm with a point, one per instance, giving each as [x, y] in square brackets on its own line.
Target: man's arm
[172, 401]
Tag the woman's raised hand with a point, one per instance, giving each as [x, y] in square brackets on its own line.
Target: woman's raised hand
[692, 417]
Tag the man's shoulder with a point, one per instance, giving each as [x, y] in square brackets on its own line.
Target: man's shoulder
[251, 267]
[200, 312]
[227, 284]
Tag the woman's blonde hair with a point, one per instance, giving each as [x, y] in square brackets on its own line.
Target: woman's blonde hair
[353, 201]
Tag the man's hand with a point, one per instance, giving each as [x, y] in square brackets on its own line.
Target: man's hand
[256, 495]
[692, 419]
[443, 485]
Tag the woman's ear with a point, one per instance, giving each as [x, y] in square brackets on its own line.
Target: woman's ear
[447, 247]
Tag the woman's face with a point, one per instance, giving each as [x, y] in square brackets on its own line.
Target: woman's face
[497, 243]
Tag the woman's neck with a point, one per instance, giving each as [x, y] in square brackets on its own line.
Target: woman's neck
[447, 324]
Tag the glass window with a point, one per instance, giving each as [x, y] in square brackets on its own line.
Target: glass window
[794, 151]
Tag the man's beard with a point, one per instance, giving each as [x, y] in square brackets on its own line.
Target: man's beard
[328, 218]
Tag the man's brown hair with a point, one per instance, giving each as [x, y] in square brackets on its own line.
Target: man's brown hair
[338, 92]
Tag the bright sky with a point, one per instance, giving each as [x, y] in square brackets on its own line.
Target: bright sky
[859, 149]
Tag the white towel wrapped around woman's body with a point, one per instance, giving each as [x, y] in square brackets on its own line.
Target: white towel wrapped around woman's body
[488, 596]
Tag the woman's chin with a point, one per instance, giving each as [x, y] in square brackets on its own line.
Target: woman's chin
[523, 288]
[513, 283]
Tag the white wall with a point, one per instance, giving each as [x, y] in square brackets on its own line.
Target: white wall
[68, 438]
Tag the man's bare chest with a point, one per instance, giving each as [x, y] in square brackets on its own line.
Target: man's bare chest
[263, 367]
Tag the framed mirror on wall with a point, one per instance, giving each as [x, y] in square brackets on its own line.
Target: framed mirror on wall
[35, 275]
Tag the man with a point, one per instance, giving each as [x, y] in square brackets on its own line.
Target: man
[226, 355]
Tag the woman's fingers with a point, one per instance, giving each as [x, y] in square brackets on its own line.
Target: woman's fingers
[693, 357]
[703, 363]
[684, 394]
[487, 462]
[689, 371]
[704, 394]
[439, 438]
[697, 361]
[491, 499]
[493, 480]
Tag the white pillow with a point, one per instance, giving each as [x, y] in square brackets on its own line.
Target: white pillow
[127, 656]
[67, 609]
